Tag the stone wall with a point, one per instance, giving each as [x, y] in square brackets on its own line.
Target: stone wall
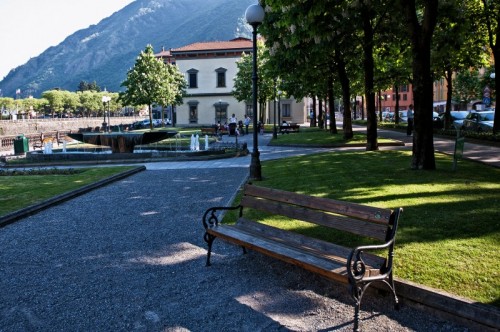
[33, 126]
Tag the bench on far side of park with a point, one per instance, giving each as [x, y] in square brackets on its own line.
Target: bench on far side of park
[211, 131]
[46, 140]
[289, 128]
[358, 266]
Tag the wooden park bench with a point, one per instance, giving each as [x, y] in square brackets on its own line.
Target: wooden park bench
[211, 131]
[290, 128]
[358, 266]
[41, 143]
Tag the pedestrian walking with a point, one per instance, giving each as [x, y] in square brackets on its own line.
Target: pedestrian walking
[409, 128]
[247, 123]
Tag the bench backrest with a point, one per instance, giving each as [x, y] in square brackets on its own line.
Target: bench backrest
[354, 218]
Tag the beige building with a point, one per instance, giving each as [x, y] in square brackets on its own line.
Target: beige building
[210, 68]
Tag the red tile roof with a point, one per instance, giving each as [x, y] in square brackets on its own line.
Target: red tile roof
[234, 44]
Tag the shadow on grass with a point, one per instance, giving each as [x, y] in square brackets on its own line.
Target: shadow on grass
[457, 204]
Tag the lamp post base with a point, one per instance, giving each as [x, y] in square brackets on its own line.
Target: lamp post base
[275, 132]
[255, 167]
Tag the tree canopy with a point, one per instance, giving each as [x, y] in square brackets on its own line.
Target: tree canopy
[151, 81]
[317, 46]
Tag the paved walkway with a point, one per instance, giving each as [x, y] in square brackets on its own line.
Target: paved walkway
[488, 154]
[130, 257]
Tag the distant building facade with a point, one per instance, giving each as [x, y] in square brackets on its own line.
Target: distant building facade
[210, 69]
[388, 98]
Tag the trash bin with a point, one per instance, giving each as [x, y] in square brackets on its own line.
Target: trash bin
[21, 144]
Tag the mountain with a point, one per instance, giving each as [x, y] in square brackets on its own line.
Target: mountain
[106, 51]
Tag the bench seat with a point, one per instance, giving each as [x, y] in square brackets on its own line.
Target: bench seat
[291, 128]
[322, 257]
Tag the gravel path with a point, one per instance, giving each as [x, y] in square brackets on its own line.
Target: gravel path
[130, 257]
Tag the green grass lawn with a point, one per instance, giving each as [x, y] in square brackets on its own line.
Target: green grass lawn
[449, 232]
[315, 136]
[17, 192]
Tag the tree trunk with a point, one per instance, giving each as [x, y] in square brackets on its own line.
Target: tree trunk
[396, 93]
[421, 36]
[447, 113]
[363, 107]
[150, 117]
[331, 106]
[379, 96]
[314, 110]
[346, 96]
[320, 113]
[368, 64]
[496, 56]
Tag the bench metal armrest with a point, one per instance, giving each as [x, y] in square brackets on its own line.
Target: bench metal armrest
[211, 218]
[356, 266]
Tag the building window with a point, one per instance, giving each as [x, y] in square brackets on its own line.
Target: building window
[286, 110]
[221, 77]
[192, 78]
[405, 96]
[221, 112]
[193, 111]
[249, 110]
[404, 88]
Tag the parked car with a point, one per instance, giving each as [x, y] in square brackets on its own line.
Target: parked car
[457, 118]
[141, 124]
[403, 116]
[479, 121]
[388, 116]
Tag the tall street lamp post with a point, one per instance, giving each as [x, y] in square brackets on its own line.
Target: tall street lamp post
[106, 99]
[220, 112]
[279, 107]
[254, 16]
[275, 131]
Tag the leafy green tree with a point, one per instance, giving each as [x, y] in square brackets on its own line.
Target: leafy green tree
[28, 105]
[299, 44]
[150, 81]
[6, 103]
[455, 44]
[71, 101]
[40, 105]
[467, 87]
[242, 89]
[55, 99]
[88, 86]
[89, 101]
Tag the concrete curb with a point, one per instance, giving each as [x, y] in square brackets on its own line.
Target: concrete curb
[334, 146]
[32, 209]
[474, 315]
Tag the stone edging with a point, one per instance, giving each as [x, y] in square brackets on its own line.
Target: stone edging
[474, 315]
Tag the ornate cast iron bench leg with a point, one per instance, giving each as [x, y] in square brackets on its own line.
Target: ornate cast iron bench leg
[209, 239]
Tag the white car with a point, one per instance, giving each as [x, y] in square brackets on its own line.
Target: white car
[479, 121]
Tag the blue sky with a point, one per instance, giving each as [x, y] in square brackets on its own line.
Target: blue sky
[29, 27]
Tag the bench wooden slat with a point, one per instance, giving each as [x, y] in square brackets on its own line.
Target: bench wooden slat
[326, 259]
[359, 227]
[376, 215]
[287, 254]
[318, 247]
